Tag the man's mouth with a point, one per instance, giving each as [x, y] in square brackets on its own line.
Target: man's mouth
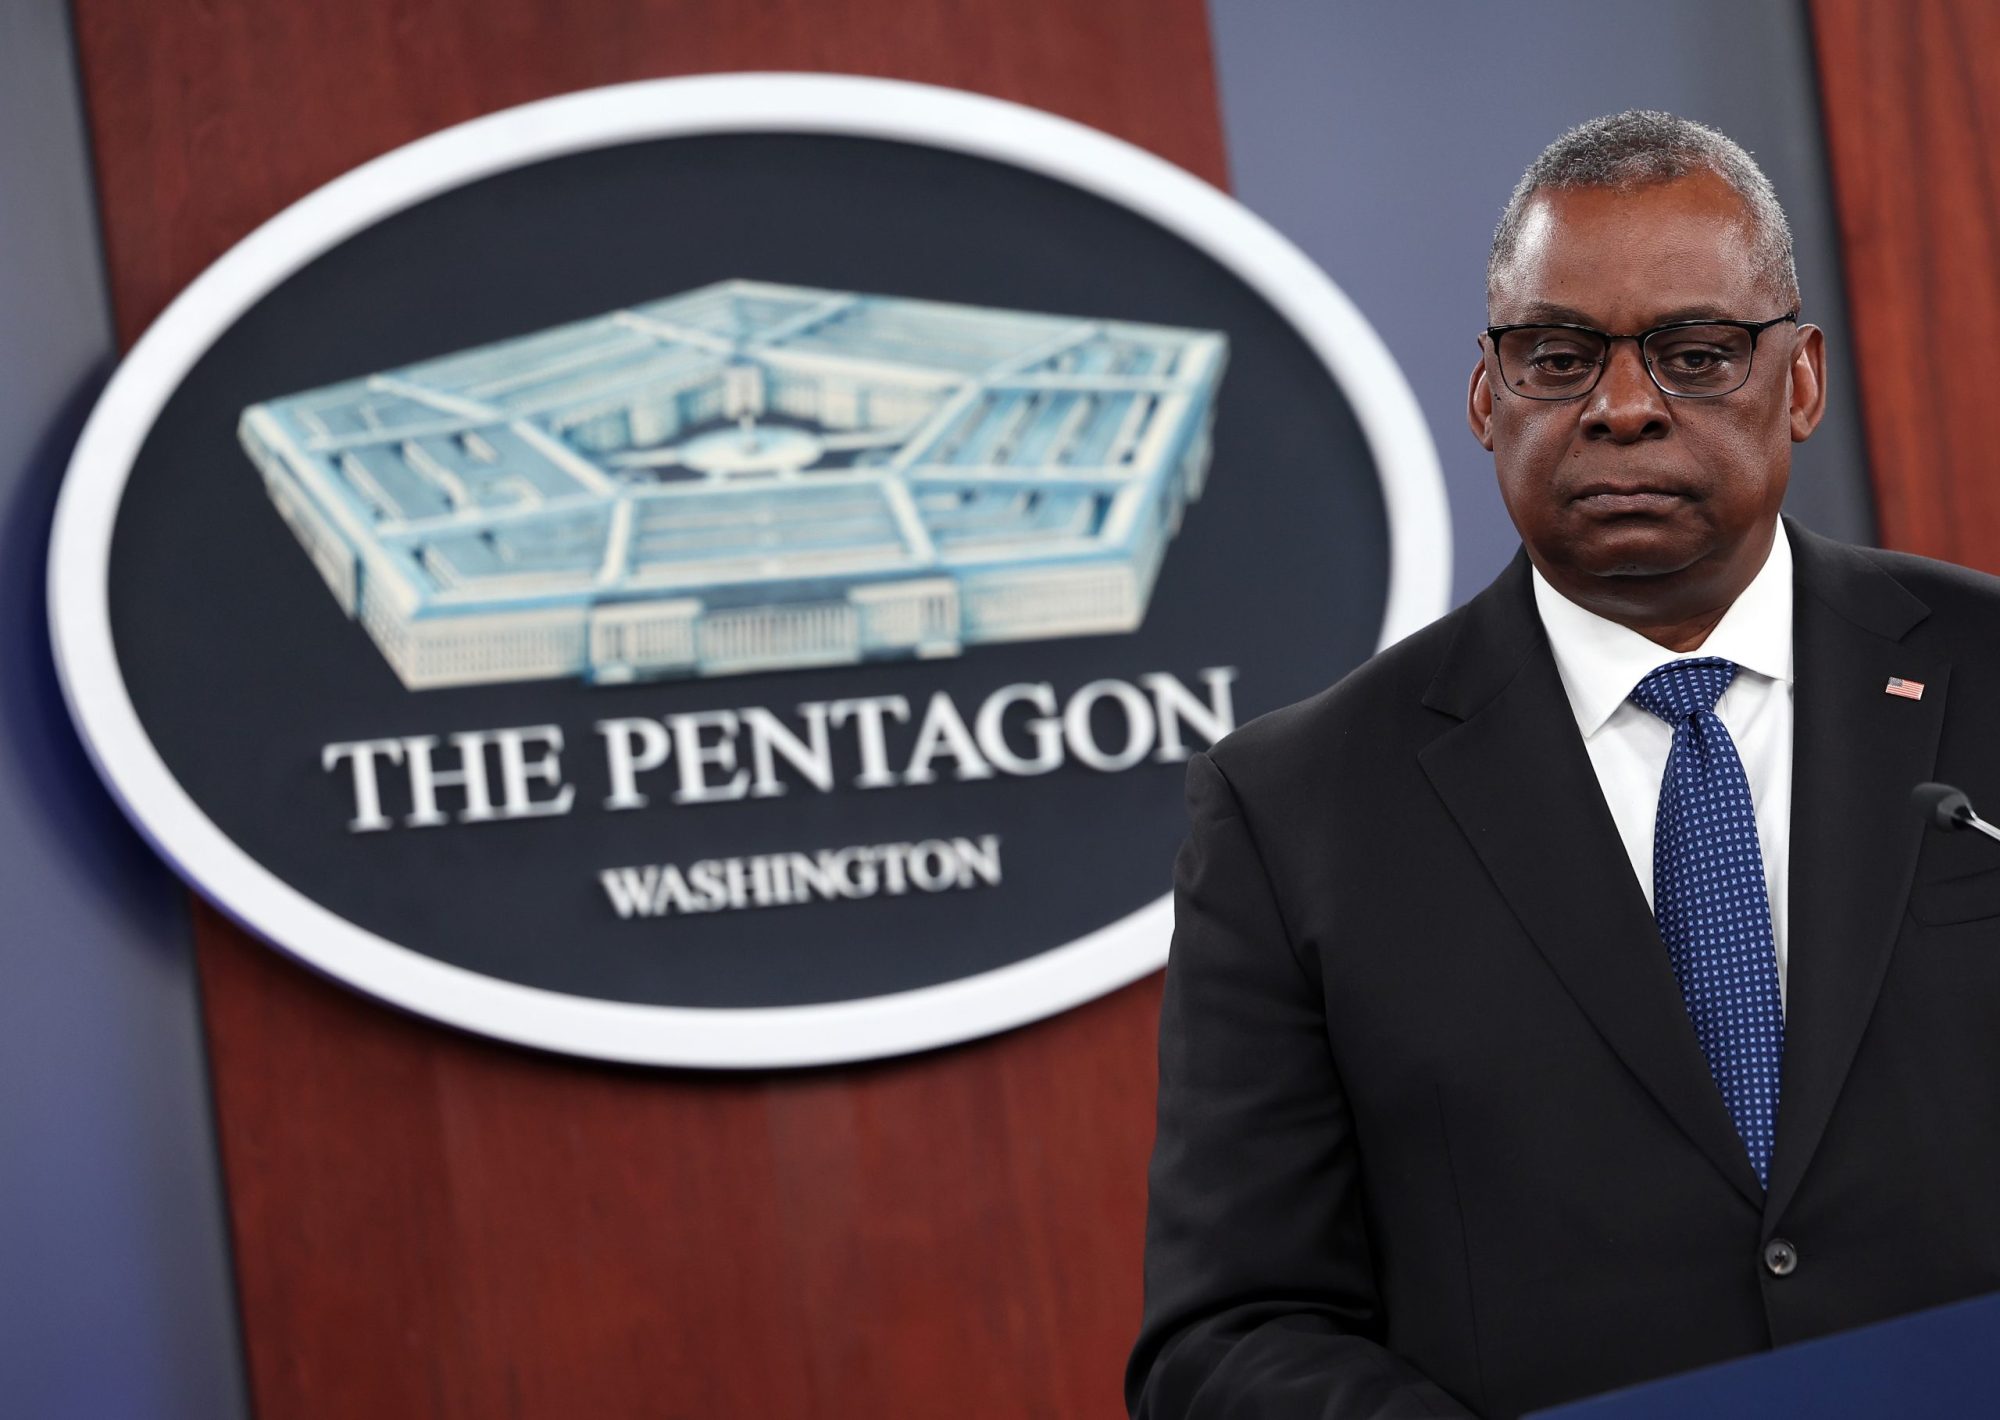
[1634, 499]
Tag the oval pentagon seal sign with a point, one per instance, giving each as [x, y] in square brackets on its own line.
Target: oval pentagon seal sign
[729, 571]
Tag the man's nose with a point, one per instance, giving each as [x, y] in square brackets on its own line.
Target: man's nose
[1626, 406]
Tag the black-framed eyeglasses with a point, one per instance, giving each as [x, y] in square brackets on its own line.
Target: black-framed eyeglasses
[1688, 359]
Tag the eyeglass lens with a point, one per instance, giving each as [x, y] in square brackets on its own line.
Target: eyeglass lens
[1556, 362]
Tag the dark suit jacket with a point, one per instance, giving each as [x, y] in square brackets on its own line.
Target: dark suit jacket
[1434, 1130]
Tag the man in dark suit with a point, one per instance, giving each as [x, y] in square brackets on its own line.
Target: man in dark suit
[1570, 996]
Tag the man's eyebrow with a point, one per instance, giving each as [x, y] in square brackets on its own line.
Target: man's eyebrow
[1696, 313]
[1536, 311]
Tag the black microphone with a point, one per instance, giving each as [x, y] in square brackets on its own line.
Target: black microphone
[1945, 807]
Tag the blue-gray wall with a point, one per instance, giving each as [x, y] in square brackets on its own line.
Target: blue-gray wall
[114, 1276]
[1384, 139]
[1381, 137]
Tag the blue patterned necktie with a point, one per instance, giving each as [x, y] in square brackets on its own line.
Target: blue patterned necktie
[1710, 902]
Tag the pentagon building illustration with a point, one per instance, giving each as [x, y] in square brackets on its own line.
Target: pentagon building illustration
[747, 477]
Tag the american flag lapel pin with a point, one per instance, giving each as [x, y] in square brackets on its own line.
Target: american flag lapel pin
[1908, 689]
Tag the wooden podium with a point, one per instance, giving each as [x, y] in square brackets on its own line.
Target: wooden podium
[430, 1224]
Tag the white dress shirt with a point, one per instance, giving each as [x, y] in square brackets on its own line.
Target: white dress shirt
[1601, 662]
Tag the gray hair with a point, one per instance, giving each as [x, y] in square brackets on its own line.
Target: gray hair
[1642, 147]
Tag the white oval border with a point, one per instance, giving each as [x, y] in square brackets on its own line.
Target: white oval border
[896, 1024]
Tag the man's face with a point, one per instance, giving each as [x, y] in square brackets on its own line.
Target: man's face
[1627, 499]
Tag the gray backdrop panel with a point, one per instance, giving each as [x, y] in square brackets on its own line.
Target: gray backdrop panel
[114, 1273]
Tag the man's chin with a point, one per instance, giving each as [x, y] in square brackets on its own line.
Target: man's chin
[1638, 552]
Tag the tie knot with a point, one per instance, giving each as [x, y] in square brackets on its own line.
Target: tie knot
[1680, 689]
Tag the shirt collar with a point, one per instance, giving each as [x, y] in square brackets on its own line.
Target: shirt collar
[1600, 661]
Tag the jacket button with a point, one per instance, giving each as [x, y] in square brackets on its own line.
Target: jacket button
[1781, 1259]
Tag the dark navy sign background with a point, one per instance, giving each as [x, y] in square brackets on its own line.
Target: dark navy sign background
[241, 666]
[216, 680]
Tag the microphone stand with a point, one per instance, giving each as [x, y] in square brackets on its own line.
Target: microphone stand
[1948, 808]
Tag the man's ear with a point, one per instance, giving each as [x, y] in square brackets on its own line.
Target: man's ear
[1808, 382]
[1479, 404]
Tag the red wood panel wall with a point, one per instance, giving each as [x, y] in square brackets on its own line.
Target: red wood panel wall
[1911, 99]
[429, 1224]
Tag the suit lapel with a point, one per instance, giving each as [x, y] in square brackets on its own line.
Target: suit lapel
[1857, 752]
[1516, 777]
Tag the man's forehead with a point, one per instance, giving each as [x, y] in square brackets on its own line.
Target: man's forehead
[1659, 252]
